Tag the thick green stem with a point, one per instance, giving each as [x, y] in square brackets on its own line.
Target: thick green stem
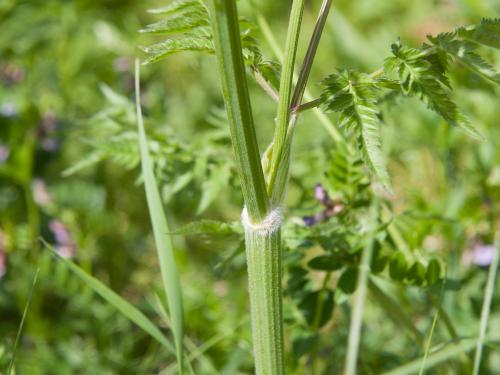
[263, 252]
[262, 223]
[234, 88]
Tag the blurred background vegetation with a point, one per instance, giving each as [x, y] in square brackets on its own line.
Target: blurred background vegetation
[69, 174]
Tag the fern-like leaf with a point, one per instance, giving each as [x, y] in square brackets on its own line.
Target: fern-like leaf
[353, 95]
[486, 33]
[177, 7]
[422, 74]
[187, 27]
[168, 47]
[464, 52]
[184, 22]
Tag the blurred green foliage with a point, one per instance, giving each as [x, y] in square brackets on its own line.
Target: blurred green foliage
[69, 173]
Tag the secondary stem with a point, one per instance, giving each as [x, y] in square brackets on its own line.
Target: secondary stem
[305, 70]
[285, 93]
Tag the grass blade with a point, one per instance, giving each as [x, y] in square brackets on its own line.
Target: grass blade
[164, 248]
[485, 312]
[433, 327]
[124, 307]
[21, 325]
[435, 358]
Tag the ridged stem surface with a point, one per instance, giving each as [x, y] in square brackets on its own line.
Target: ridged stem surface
[263, 251]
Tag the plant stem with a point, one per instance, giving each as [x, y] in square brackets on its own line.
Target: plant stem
[235, 91]
[305, 70]
[485, 311]
[266, 85]
[285, 92]
[262, 225]
[359, 301]
[264, 278]
[305, 106]
[271, 40]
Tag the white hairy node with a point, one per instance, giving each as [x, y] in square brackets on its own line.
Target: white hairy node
[271, 223]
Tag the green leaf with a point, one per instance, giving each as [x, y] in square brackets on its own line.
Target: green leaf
[433, 273]
[398, 267]
[325, 263]
[353, 95]
[379, 260]
[464, 52]
[170, 278]
[348, 280]
[486, 33]
[416, 273]
[168, 47]
[177, 7]
[123, 306]
[182, 23]
[302, 343]
[422, 75]
[212, 186]
[314, 310]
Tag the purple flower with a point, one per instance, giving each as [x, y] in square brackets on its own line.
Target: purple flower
[309, 221]
[479, 255]
[321, 194]
[332, 207]
[40, 193]
[65, 246]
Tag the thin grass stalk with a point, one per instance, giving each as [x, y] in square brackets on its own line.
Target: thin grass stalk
[262, 223]
[127, 310]
[360, 297]
[164, 247]
[23, 319]
[433, 327]
[436, 357]
[485, 311]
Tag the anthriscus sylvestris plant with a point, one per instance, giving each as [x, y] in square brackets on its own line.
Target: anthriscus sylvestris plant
[421, 72]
